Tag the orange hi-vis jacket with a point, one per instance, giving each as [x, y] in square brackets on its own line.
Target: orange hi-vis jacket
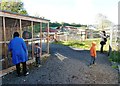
[93, 50]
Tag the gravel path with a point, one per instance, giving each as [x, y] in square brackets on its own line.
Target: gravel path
[68, 66]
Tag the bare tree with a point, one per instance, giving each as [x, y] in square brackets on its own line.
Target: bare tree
[102, 22]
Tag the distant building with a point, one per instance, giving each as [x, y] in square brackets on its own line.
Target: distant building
[91, 31]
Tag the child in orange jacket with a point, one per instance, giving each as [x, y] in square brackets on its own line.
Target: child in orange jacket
[93, 53]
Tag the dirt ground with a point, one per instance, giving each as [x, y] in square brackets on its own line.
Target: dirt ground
[68, 66]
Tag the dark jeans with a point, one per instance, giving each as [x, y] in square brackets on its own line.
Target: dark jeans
[102, 45]
[92, 60]
[101, 49]
[37, 59]
[24, 68]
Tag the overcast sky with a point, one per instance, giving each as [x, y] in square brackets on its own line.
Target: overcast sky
[73, 11]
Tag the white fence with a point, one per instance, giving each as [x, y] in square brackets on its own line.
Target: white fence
[114, 39]
[71, 37]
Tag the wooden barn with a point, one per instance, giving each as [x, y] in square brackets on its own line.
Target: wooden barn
[26, 26]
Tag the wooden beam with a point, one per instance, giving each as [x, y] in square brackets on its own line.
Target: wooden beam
[48, 38]
[20, 29]
[28, 18]
[5, 45]
[32, 40]
[41, 38]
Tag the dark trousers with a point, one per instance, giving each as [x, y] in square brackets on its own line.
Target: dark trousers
[102, 45]
[37, 59]
[92, 60]
[24, 68]
[101, 49]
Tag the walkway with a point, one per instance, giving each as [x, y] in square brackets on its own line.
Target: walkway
[68, 66]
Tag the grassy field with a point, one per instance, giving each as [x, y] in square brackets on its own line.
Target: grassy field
[84, 44]
[114, 56]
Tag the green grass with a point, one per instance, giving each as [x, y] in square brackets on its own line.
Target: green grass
[84, 44]
[114, 66]
[115, 56]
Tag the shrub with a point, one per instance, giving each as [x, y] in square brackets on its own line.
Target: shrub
[115, 56]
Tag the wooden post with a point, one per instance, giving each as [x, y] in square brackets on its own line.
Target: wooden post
[81, 35]
[20, 29]
[5, 46]
[48, 38]
[41, 38]
[85, 34]
[32, 41]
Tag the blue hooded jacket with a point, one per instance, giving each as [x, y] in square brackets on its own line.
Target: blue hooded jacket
[19, 50]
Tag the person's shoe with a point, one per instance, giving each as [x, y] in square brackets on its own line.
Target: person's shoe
[90, 65]
[101, 52]
[26, 74]
[39, 65]
[94, 63]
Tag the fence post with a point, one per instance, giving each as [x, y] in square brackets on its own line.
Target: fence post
[5, 45]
